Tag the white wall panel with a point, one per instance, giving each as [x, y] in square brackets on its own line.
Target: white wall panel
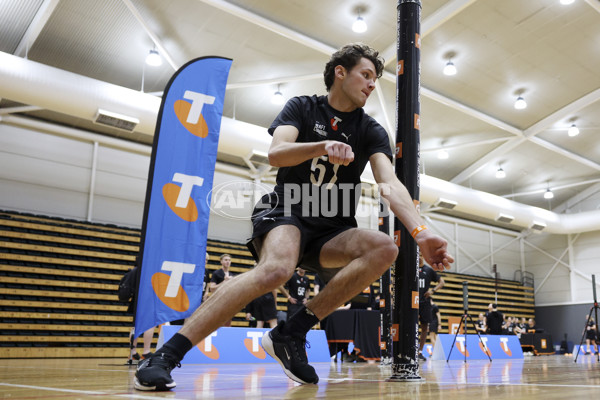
[121, 212]
[43, 172]
[39, 145]
[123, 162]
[24, 197]
[120, 186]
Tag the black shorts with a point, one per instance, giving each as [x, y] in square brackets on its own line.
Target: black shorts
[315, 232]
[590, 335]
[425, 312]
[433, 326]
[264, 308]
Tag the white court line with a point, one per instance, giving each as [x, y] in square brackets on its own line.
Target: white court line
[514, 384]
[128, 395]
[426, 381]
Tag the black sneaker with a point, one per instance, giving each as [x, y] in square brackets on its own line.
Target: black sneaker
[154, 373]
[133, 359]
[290, 352]
[422, 357]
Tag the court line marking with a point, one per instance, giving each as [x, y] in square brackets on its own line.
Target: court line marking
[425, 380]
[517, 384]
[51, 389]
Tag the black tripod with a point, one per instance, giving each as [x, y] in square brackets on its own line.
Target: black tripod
[595, 310]
[463, 323]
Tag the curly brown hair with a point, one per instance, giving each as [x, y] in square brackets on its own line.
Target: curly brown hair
[348, 56]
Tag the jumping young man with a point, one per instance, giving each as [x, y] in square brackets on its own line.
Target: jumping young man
[321, 145]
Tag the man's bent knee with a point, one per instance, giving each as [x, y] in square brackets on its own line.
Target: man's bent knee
[386, 250]
[270, 277]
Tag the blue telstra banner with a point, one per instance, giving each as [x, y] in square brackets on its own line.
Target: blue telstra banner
[180, 180]
[242, 345]
[496, 346]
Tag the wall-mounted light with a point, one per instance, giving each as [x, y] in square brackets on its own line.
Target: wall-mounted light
[278, 98]
[573, 130]
[449, 68]
[153, 58]
[520, 103]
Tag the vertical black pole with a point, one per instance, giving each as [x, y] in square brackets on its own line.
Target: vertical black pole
[385, 295]
[495, 269]
[405, 317]
[595, 315]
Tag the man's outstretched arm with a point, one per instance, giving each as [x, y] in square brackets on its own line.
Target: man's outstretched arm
[433, 247]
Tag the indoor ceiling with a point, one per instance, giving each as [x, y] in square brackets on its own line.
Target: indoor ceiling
[542, 50]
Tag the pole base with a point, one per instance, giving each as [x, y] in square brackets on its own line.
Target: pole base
[405, 373]
[386, 361]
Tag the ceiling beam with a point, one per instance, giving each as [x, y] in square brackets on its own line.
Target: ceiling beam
[443, 14]
[565, 153]
[595, 4]
[470, 111]
[271, 26]
[578, 198]
[157, 42]
[432, 22]
[18, 109]
[554, 187]
[563, 113]
[465, 144]
[489, 157]
[35, 27]
[273, 81]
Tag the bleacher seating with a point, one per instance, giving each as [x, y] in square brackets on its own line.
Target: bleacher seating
[513, 298]
[58, 284]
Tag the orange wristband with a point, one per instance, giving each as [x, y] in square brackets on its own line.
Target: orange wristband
[416, 231]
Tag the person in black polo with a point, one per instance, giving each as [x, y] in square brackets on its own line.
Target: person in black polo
[494, 321]
[298, 291]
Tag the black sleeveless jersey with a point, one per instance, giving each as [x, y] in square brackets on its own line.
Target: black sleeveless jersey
[317, 188]
[426, 276]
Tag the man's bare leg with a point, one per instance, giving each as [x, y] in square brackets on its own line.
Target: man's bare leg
[364, 255]
[278, 259]
[423, 338]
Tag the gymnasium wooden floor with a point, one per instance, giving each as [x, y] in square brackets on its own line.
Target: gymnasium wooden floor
[544, 377]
